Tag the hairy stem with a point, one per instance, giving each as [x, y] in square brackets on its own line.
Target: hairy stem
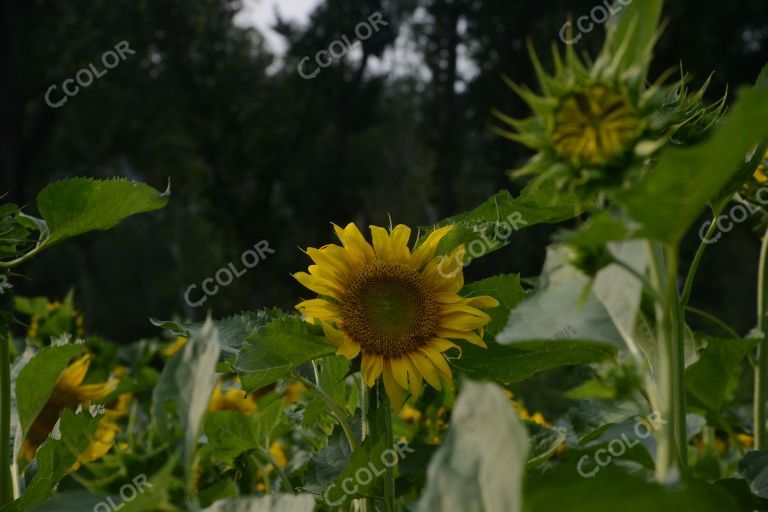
[389, 477]
[672, 440]
[761, 369]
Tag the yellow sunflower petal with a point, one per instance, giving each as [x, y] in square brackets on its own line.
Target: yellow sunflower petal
[359, 250]
[349, 349]
[483, 302]
[319, 308]
[463, 309]
[394, 391]
[335, 337]
[74, 374]
[463, 322]
[400, 371]
[426, 369]
[471, 337]
[95, 391]
[426, 251]
[399, 244]
[317, 285]
[381, 243]
[371, 367]
[438, 359]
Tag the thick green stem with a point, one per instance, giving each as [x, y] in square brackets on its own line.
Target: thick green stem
[389, 477]
[334, 409]
[761, 369]
[6, 486]
[672, 443]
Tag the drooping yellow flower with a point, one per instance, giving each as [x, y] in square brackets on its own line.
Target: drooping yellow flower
[171, 350]
[395, 308]
[594, 126]
[231, 400]
[68, 393]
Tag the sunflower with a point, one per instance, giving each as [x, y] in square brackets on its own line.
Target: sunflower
[231, 400]
[68, 393]
[597, 121]
[395, 308]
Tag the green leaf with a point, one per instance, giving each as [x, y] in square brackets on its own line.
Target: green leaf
[231, 433]
[504, 288]
[184, 390]
[522, 360]
[271, 503]
[148, 494]
[328, 463]
[630, 39]
[480, 465]
[684, 180]
[56, 456]
[754, 469]
[284, 344]
[563, 306]
[611, 489]
[714, 378]
[368, 460]
[544, 441]
[492, 225]
[38, 378]
[233, 330]
[76, 206]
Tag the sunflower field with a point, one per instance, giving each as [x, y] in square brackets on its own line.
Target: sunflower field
[400, 380]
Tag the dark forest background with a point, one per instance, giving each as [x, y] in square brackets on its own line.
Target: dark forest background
[258, 155]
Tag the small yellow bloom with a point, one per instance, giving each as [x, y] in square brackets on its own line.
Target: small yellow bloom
[398, 309]
[231, 400]
[410, 414]
[171, 350]
[293, 392]
[745, 440]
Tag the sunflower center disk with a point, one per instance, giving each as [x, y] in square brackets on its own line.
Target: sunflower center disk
[594, 126]
[388, 309]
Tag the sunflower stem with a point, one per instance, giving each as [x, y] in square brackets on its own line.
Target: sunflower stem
[333, 407]
[761, 369]
[672, 439]
[389, 444]
[6, 486]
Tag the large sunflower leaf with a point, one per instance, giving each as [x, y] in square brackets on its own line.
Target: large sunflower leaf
[684, 180]
[506, 289]
[492, 225]
[714, 378]
[480, 465]
[284, 344]
[522, 360]
[79, 205]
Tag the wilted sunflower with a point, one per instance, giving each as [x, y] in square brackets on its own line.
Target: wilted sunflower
[68, 393]
[598, 122]
[396, 308]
